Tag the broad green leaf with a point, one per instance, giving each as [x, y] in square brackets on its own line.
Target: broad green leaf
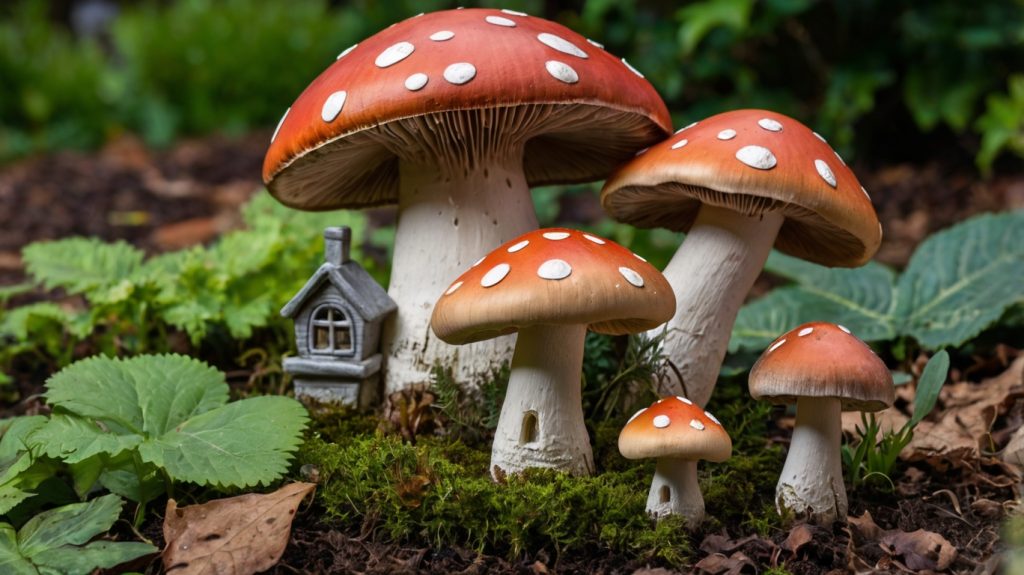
[73, 524]
[74, 439]
[88, 558]
[130, 477]
[242, 317]
[961, 280]
[11, 560]
[700, 18]
[141, 395]
[18, 322]
[929, 386]
[243, 443]
[20, 473]
[81, 265]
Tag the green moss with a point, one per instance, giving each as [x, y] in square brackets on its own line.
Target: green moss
[438, 493]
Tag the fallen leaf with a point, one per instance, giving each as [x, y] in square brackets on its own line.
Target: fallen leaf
[234, 536]
[920, 549]
[865, 527]
[717, 564]
[798, 537]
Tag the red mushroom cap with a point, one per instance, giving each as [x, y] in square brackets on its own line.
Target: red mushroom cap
[674, 427]
[554, 276]
[529, 82]
[822, 359]
[753, 162]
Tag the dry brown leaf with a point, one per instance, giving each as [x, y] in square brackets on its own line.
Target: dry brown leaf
[234, 536]
[865, 527]
[799, 536]
[718, 564]
[920, 549]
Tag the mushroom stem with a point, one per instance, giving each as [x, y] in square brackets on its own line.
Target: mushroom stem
[710, 275]
[675, 490]
[447, 220]
[811, 484]
[541, 422]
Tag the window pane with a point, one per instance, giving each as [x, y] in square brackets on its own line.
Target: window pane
[321, 337]
[342, 338]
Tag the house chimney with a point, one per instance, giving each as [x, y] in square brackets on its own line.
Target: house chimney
[336, 244]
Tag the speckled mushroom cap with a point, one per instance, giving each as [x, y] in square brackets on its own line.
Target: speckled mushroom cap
[753, 162]
[554, 276]
[674, 427]
[406, 93]
[822, 359]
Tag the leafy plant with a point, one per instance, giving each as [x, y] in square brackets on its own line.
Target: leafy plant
[139, 424]
[876, 457]
[58, 541]
[958, 282]
[614, 382]
[1002, 124]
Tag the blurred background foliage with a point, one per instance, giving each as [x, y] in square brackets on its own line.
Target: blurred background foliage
[900, 80]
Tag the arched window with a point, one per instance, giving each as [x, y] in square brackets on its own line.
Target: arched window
[330, 331]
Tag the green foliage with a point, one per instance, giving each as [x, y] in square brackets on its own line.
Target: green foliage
[1002, 124]
[958, 282]
[58, 541]
[470, 412]
[21, 471]
[875, 457]
[616, 381]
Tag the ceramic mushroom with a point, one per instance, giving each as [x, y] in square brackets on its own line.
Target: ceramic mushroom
[452, 116]
[550, 286]
[678, 434]
[825, 370]
[738, 183]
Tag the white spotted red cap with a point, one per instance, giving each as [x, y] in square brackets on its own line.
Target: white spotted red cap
[675, 427]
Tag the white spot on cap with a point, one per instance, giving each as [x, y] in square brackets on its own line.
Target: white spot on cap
[454, 287]
[756, 157]
[562, 71]
[631, 276]
[561, 44]
[639, 257]
[680, 144]
[518, 246]
[770, 124]
[279, 122]
[662, 421]
[712, 418]
[495, 275]
[686, 127]
[865, 192]
[817, 135]
[631, 68]
[500, 21]
[727, 134]
[420, 14]
[394, 54]
[844, 329]
[554, 270]
[838, 157]
[825, 172]
[477, 262]
[696, 425]
[684, 400]
[805, 331]
[593, 43]
[594, 239]
[514, 12]
[556, 235]
[416, 81]
[332, 106]
[637, 414]
[346, 51]
[460, 73]
[776, 345]
[442, 35]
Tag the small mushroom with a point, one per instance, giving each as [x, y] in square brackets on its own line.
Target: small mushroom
[738, 183]
[826, 370]
[550, 286]
[452, 116]
[678, 433]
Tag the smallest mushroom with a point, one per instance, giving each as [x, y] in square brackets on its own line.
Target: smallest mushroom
[677, 433]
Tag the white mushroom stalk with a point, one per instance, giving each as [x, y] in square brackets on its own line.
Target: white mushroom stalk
[675, 491]
[711, 274]
[811, 484]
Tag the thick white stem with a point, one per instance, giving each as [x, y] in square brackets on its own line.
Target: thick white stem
[711, 274]
[811, 485]
[446, 222]
[541, 422]
[675, 491]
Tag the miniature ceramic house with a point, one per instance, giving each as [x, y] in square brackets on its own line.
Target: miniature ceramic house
[338, 315]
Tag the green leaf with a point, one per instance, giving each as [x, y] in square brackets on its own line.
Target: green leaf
[242, 317]
[20, 473]
[243, 443]
[81, 265]
[73, 524]
[961, 280]
[95, 555]
[147, 394]
[135, 480]
[700, 18]
[11, 560]
[19, 322]
[929, 386]
[75, 439]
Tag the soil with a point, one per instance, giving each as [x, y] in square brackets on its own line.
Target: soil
[169, 199]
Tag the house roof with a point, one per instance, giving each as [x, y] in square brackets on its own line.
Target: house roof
[356, 285]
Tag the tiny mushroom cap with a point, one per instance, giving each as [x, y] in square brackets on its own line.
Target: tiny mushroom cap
[822, 359]
[752, 162]
[505, 80]
[674, 427]
[554, 276]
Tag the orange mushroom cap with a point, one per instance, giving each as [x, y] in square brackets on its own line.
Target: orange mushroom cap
[674, 427]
